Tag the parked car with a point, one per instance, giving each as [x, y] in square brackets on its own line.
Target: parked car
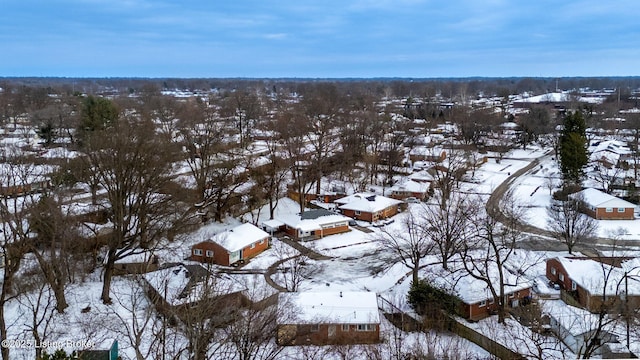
[412, 200]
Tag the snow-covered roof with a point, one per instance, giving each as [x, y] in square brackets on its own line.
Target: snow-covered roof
[183, 284]
[471, 290]
[367, 202]
[427, 151]
[597, 277]
[409, 185]
[239, 237]
[600, 199]
[574, 320]
[422, 176]
[343, 307]
[311, 223]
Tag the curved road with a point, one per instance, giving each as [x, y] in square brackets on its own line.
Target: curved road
[543, 239]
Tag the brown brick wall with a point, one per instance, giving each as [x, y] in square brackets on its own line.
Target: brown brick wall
[248, 252]
[304, 335]
[601, 213]
[220, 254]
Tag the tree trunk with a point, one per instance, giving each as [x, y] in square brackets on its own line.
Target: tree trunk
[108, 274]
[3, 328]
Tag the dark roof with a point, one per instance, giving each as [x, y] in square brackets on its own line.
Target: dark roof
[314, 214]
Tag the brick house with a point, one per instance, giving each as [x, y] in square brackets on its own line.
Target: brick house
[476, 300]
[137, 261]
[315, 224]
[602, 206]
[410, 188]
[323, 318]
[368, 207]
[594, 283]
[178, 289]
[425, 153]
[231, 246]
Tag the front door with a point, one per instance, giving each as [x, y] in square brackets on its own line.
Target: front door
[332, 331]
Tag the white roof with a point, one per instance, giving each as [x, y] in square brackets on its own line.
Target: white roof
[239, 237]
[410, 186]
[367, 202]
[575, 320]
[345, 307]
[591, 275]
[422, 176]
[178, 286]
[471, 290]
[295, 221]
[600, 199]
[274, 224]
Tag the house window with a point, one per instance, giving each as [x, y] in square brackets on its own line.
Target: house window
[357, 212]
[366, 327]
[609, 210]
[573, 285]
[561, 277]
[621, 210]
[253, 246]
[261, 241]
[209, 253]
[197, 252]
[483, 303]
[315, 328]
[553, 271]
[512, 295]
[345, 327]
[491, 301]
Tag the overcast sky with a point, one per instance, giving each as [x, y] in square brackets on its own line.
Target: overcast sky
[319, 38]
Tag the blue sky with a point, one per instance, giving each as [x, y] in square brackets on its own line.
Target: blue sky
[327, 38]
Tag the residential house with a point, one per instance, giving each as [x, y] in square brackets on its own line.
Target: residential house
[22, 179]
[592, 283]
[476, 299]
[314, 224]
[426, 153]
[608, 153]
[410, 188]
[181, 289]
[368, 207]
[577, 327]
[602, 206]
[231, 246]
[135, 262]
[322, 318]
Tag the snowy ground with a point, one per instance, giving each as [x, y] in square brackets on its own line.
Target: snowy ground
[357, 263]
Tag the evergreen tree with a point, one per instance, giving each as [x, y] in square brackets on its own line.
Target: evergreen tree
[573, 147]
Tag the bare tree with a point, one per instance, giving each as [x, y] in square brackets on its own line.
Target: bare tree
[16, 175]
[135, 317]
[486, 254]
[293, 266]
[38, 301]
[568, 224]
[134, 174]
[447, 223]
[411, 243]
[251, 333]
